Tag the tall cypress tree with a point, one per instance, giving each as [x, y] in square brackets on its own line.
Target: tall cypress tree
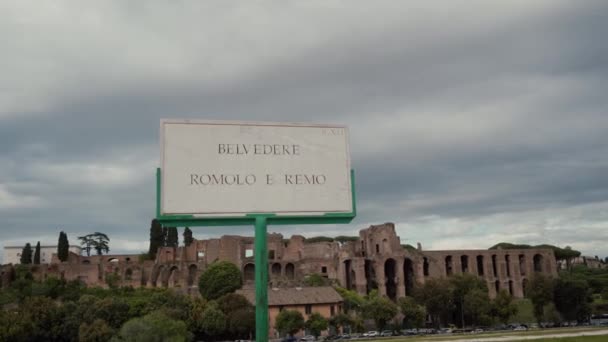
[172, 237]
[157, 239]
[37, 254]
[26, 254]
[188, 237]
[63, 247]
[165, 240]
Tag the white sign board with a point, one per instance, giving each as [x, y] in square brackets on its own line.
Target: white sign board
[226, 168]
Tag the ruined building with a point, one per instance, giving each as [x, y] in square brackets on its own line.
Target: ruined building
[376, 260]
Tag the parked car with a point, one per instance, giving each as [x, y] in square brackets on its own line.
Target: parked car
[386, 333]
[371, 334]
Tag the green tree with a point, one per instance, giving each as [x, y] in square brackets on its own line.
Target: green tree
[380, 309]
[316, 279]
[289, 322]
[26, 254]
[437, 296]
[503, 307]
[214, 320]
[188, 239]
[63, 247]
[219, 279]
[172, 237]
[98, 331]
[340, 320]
[37, 254]
[100, 242]
[86, 242]
[156, 238]
[241, 323]
[477, 306]
[353, 301]
[154, 327]
[413, 313]
[231, 302]
[165, 236]
[572, 299]
[540, 293]
[467, 287]
[315, 324]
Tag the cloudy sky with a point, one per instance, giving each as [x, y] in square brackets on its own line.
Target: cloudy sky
[472, 122]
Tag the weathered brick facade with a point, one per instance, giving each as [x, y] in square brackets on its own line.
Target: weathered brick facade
[375, 261]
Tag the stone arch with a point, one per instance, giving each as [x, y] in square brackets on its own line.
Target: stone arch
[290, 271]
[464, 263]
[538, 263]
[408, 276]
[425, 266]
[522, 265]
[276, 270]
[389, 272]
[171, 277]
[347, 274]
[480, 268]
[508, 264]
[448, 265]
[249, 272]
[156, 273]
[494, 267]
[192, 269]
[112, 260]
[511, 287]
[497, 286]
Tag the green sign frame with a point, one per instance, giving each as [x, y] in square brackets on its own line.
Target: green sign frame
[260, 221]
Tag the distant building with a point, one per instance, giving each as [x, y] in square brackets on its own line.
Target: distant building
[12, 254]
[374, 260]
[323, 300]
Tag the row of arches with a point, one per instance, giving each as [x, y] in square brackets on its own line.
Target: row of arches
[537, 266]
[170, 276]
[276, 271]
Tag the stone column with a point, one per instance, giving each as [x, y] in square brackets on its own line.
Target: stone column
[400, 278]
[380, 277]
[360, 281]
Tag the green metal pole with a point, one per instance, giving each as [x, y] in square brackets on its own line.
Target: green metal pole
[261, 280]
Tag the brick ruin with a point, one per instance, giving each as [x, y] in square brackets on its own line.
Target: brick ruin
[376, 260]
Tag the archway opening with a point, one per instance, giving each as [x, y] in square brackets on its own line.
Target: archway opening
[389, 273]
[249, 273]
[408, 276]
[290, 271]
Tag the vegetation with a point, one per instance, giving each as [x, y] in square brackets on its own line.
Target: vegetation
[316, 279]
[97, 241]
[56, 310]
[37, 254]
[380, 309]
[63, 247]
[26, 254]
[289, 322]
[188, 239]
[315, 324]
[157, 238]
[172, 237]
[219, 279]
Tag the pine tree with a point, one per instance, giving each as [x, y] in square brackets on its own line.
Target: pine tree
[37, 254]
[172, 237]
[63, 247]
[188, 237]
[157, 239]
[26, 254]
